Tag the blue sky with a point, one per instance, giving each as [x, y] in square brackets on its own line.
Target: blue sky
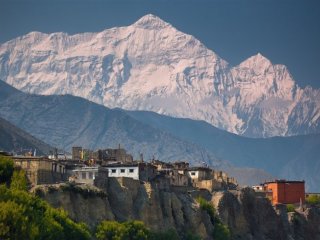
[285, 31]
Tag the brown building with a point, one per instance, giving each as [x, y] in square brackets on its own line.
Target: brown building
[285, 192]
[77, 153]
[114, 155]
[41, 170]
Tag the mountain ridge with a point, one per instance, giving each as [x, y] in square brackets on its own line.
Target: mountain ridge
[152, 66]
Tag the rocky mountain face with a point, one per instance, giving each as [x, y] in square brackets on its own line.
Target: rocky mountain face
[247, 216]
[152, 66]
[16, 140]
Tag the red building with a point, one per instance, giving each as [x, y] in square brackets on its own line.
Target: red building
[286, 192]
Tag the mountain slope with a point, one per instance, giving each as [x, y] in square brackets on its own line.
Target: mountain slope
[152, 66]
[294, 157]
[66, 121]
[15, 139]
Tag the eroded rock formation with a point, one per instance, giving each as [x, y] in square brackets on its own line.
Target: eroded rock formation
[162, 208]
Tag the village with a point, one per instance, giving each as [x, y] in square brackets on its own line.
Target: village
[86, 166]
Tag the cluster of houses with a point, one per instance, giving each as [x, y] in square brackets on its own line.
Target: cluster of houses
[93, 167]
[85, 166]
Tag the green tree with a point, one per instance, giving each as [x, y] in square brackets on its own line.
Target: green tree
[111, 230]
[135, 230]
[24, 216]
[11, 219]
[19, 180]
[6, 169]
[130, 230]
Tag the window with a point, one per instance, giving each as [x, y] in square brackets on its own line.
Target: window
[113, 170]
[122, 170]
[193, 173]
[90, 175]
[131, 170]
[83, 175]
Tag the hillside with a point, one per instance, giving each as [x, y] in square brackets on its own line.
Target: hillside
[65, 121]
[15, 139]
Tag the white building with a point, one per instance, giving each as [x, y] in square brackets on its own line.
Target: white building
[258, 188]
[123, 170]
[200, 173]
[84, 175]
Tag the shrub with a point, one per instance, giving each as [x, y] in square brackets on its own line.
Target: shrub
[19, 180]
[170, 234]
[290, 208]
[208, 207]
[313, 200]
[192, 236]
[130, 230]
[6, 169]
[221, 231]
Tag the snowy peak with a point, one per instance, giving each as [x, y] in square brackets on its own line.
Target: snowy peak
[151, 21]
[258, 63]
[150, 65]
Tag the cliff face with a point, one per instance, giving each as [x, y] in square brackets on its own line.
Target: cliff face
[247, 216]
[251, 217]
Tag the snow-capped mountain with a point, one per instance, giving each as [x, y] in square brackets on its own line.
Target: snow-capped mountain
[150, 65]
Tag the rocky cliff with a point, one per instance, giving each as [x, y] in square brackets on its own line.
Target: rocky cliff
[161, 208]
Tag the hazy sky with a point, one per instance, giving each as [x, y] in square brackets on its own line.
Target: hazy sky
[285, 31]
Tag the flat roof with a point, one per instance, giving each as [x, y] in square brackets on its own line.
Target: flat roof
[284, 181]
[121, 165]
[199, 169]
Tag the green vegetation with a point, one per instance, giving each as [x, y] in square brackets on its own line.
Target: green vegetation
[134, 230]
[113, 230]
[313, 200]
[221, 231]
[192, 236]
[19, 180]
[170, 234]
[24, 216]
[290, 208]
[6, 169]
[208, 207]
